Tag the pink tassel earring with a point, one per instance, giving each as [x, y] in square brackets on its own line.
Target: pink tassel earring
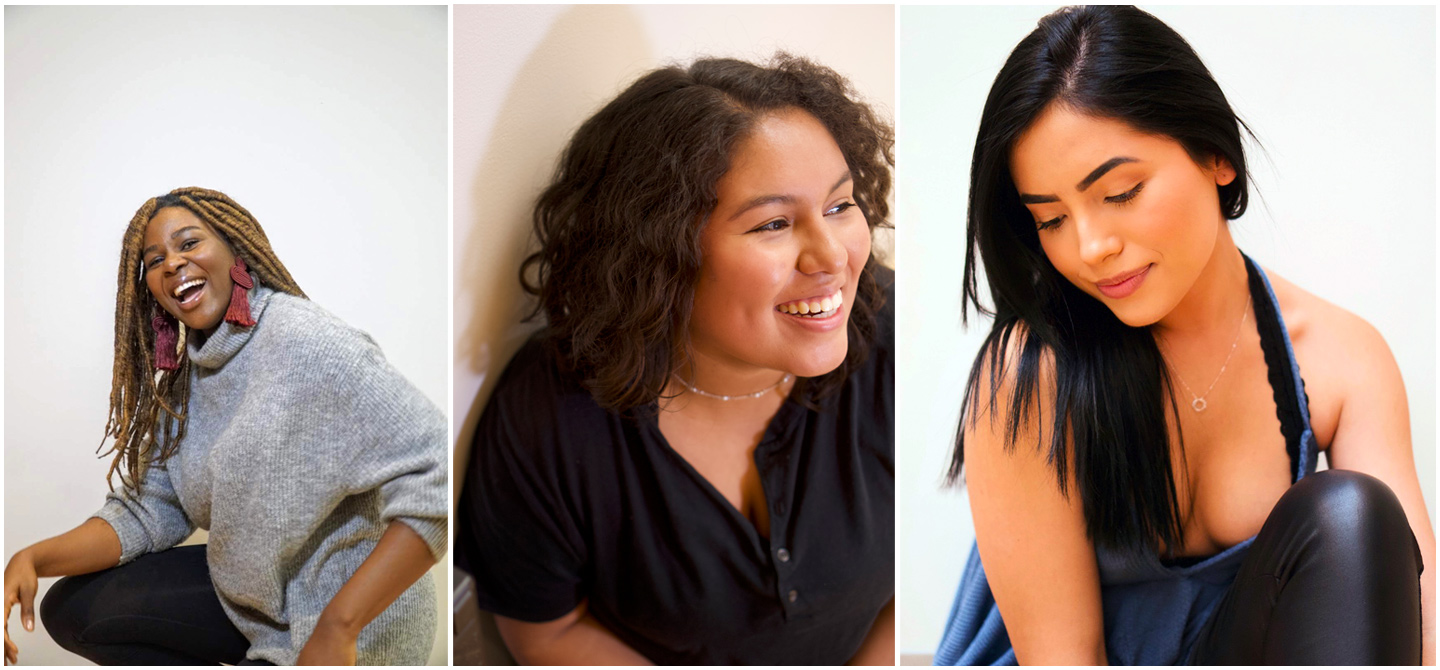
[167, 334]
[239, 312]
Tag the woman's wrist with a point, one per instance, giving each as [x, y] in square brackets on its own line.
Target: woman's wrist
[338, 624]
[31, 556]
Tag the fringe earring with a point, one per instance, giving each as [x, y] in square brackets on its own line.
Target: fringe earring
[239, 312]
[167, 336]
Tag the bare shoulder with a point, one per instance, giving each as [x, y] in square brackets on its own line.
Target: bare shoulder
[994, 405]
[1341, 355]
[1320, 327]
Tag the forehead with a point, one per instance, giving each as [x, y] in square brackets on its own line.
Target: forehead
[1062, 146]
[789, 150]
[170, 219]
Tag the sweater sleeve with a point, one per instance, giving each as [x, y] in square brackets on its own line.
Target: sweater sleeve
[148, 521]
[396, 445]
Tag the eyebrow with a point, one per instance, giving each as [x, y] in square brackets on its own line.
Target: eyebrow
[173, 235]
[763, 200]
[1085, 183]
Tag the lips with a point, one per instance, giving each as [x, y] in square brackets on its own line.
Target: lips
[1122, 285]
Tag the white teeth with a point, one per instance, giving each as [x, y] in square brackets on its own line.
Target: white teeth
[822, 308]
[193, 282]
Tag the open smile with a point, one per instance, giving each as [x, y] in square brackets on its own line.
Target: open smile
[818, 314]
[188, 294]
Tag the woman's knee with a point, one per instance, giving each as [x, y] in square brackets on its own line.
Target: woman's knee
[63, 612]
[1348, 508]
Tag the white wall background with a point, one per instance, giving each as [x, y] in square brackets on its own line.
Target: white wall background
[525, 79]
[1343, 100]
[328, 124]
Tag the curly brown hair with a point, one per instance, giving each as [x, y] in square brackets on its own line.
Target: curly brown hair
[619, 226]
[148, 406]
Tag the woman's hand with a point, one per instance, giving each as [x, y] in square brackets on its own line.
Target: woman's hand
[20, 585]
[89, 547]
[328, 645]
[397, 561]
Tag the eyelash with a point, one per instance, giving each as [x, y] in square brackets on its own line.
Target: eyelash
[783, 224]
[1121, 199]
[184, 246]
[1127, 196]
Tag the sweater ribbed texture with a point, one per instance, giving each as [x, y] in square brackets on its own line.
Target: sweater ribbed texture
[301, 446]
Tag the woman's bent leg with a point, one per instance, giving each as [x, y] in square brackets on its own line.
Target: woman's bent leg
[160, 609]
[1333, 578]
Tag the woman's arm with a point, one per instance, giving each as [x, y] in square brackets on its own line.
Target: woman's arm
[1373, 436]
[574, 639]
[1032, 540]
[879, 645]
[89, 547]
[398, 560]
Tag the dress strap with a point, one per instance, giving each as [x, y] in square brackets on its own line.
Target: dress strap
[1292, 404]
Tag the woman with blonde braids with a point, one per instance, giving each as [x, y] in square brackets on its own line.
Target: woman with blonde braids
[241, 407]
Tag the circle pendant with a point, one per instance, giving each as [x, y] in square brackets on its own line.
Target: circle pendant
[1198, 404]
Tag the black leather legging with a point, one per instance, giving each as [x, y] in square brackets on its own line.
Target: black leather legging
[160, 609]
[1333, 578]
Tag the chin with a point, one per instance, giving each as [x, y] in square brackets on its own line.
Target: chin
[823, 360]
[1137, 316]
[198, 322]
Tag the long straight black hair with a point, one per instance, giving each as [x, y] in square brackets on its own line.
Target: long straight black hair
[1111, 383]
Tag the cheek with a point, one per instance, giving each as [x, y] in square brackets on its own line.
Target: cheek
[736, 284]
[152, 282]
[1182, 226]
[1061, 251]
[857, 245]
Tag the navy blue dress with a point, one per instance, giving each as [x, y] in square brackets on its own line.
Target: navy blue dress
[1153, 612]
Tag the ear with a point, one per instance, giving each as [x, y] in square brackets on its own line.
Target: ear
[1223, 171]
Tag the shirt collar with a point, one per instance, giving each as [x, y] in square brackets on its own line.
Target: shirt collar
[228, 339]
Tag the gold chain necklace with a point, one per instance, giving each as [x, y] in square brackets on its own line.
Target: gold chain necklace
[1199, 403]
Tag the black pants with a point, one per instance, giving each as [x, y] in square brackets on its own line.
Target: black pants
[1332, 579]
[159, 609]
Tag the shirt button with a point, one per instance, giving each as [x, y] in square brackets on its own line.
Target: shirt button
[793, 595]
[784, 556]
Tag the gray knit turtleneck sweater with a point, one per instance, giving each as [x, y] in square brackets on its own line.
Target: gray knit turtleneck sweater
[302, 445]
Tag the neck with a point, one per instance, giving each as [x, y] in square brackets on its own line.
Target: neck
[1214, 305]
[725, 377]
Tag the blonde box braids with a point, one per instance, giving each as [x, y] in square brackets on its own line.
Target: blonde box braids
[148, 406]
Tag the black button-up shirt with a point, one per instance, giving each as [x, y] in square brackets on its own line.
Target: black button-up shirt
[565, 501]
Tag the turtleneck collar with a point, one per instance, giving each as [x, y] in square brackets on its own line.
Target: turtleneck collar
[228, 339]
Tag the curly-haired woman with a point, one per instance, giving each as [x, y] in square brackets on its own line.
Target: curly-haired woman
[694, 462]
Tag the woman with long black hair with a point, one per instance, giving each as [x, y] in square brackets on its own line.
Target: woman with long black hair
[1137, 437]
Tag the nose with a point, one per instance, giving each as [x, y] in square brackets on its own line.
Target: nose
[821, 249]
[1098, 241]
[174, 261]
